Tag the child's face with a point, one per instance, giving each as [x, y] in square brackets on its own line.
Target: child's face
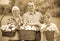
[46, 21]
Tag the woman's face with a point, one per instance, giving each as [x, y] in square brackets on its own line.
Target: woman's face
[16, 13]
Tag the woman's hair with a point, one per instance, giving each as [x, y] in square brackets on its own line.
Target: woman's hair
[14, 8]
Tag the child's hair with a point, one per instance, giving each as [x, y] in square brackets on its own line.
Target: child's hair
[46, 17]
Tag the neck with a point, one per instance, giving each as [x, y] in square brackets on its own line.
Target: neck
[32, 12]
[48, 23]
[15, 16]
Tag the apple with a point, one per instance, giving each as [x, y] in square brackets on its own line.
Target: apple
[9, 29]
[21, 27]
[33, 28]
[13, 29]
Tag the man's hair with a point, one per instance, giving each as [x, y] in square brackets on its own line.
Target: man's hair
[30, 2]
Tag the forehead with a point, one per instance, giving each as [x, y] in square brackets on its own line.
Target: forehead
[15, 9]
[30, 4]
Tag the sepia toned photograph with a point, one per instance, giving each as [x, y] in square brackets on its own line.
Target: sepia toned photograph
[29, 20]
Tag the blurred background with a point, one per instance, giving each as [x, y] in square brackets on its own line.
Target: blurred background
[51, 7]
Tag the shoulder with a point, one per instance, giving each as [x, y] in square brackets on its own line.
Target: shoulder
[25, 14]
[10, 17]
[53, 24]
[38, 12]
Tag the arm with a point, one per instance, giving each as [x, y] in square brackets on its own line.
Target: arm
[34, 24]
[57, 33]
[24, 19]
[43, 27]
[56, 29]
[20, 21]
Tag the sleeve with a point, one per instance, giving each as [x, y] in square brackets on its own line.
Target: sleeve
[56, 29]
[20, 20]
[24, 18]
[42, 27]
[41, 18]
[56, 32]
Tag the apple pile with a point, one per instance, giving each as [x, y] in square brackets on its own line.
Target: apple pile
[27, 27]
[8, 27]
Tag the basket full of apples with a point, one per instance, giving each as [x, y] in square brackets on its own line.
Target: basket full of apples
[8, 30]
[27, 32]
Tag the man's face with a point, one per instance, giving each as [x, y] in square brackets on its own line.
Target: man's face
[31, 7]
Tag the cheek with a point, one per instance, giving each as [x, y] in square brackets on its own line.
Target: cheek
[14, 14]
[45, 21]
[17, 14]
[30, 7]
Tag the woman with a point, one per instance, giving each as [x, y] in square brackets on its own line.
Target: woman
[48, 26]
[17, 17]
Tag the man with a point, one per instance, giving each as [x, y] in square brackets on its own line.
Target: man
[33, 18]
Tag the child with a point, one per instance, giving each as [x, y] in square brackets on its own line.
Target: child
[48, 26]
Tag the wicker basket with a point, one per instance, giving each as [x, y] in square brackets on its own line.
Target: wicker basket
[49, 35]
[27, 35]
[8, 34]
